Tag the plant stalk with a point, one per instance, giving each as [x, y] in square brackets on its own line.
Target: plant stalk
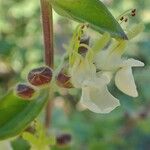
[47, 21]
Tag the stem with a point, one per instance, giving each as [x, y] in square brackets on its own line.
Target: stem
[47, 21]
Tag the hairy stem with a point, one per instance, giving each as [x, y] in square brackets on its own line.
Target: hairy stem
[47, 21]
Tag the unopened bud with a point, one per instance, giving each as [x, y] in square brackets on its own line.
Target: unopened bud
[40, 76]
[63, 139]
[63, 80]
[25, 91]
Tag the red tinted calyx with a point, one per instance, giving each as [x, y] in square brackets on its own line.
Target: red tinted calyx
[25, 91]
[63, 80]
[40, 76]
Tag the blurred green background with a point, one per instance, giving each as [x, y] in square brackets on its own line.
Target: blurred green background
[21, 49]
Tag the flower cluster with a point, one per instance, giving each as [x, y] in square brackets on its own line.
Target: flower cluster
[102, 62]
[91, 68]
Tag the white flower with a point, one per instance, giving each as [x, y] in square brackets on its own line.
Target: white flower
[95, 95]
[111, 60]
[124, 79]
[93, 72]
[97, 98]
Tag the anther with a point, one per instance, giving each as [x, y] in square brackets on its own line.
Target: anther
[133, 14]
[121, 18]
[134, 10]
[126, 19]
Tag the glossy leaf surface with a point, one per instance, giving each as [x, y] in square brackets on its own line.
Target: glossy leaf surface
[93, 12]
[16, 113]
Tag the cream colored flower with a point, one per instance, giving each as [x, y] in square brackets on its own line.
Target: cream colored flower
[94, 71]
[95, 95]
[110, 60]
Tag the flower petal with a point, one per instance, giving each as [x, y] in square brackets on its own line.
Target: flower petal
[105, 60]
[132, 63]
[81, 71]
[124, 80]
[107, 75]
[97, 98]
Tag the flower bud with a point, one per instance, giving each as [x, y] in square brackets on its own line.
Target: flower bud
[40, 76]
[25, 91]
[63, 80]
[63, 139]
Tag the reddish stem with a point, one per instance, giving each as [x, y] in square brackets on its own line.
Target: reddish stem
[47, 21]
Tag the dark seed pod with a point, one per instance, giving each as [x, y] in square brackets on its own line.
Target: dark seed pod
[63, 139]
[63, 80]
[40, 76]
[25, 91]
[84, 40]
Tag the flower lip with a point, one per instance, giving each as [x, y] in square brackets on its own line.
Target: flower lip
[124, 79]
[97, 98]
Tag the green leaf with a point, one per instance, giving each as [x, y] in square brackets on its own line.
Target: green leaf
[93, 12]
[16, 113]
